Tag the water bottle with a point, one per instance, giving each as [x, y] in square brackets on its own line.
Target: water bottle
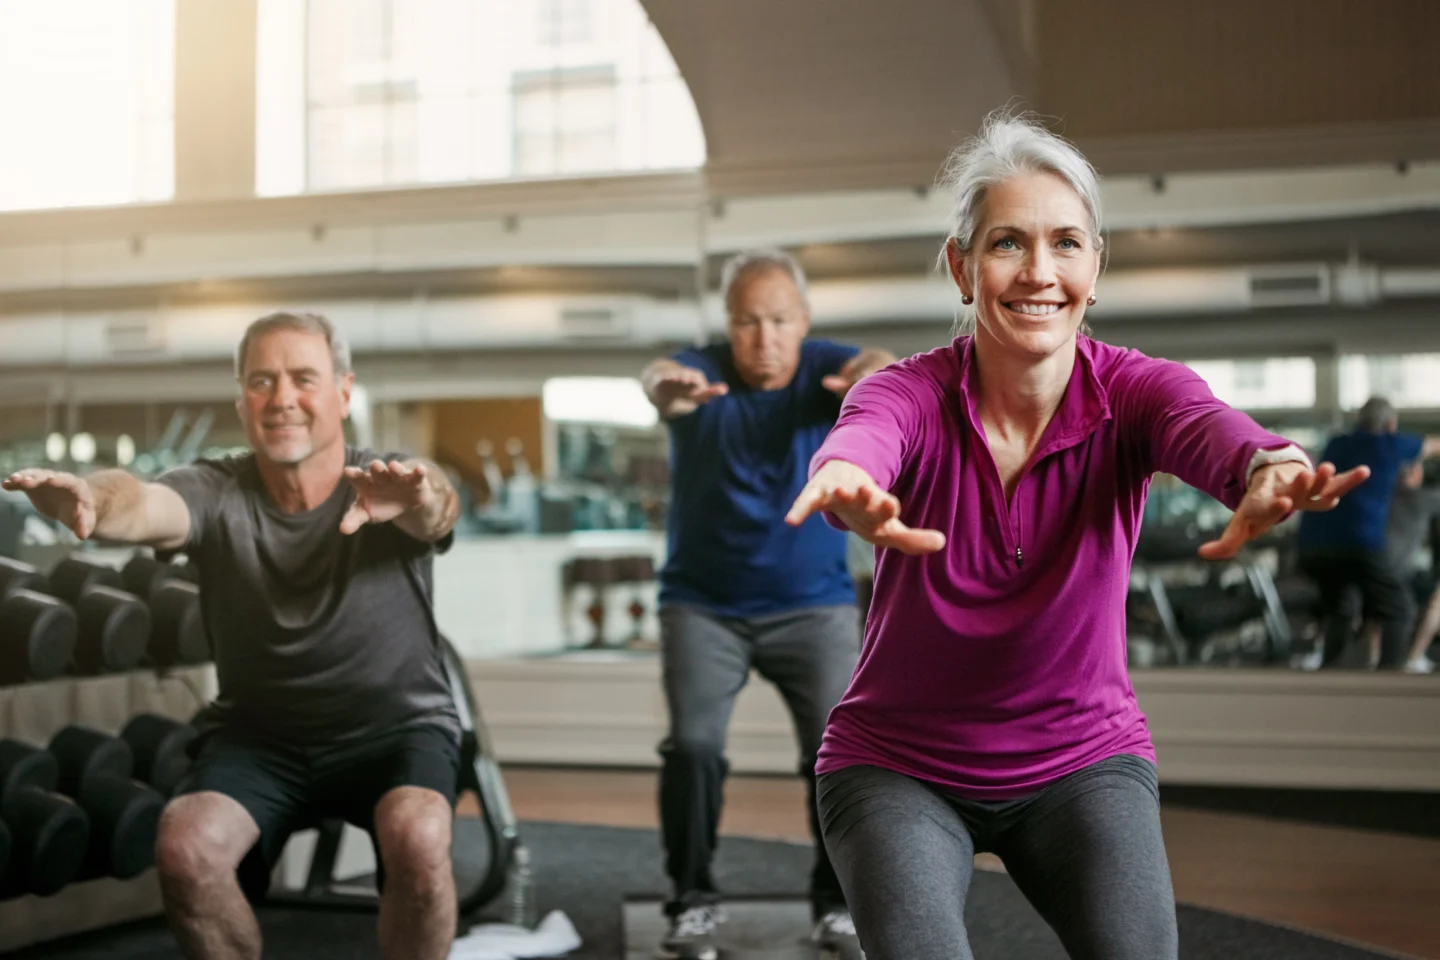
[520, 883]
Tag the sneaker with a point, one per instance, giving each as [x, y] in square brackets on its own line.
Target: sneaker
[1313, 660]
[835, 932]
[1420, 665]
[692, 935]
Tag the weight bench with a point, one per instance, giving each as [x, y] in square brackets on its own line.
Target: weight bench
[481, 848]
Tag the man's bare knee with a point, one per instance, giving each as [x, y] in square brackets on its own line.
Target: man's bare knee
[203, 836]
[413, 826]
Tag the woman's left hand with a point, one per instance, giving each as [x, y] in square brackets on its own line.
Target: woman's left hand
[1275, 490]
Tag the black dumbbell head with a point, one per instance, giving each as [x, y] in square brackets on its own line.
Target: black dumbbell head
[25, 767]
[177, 631]
[160, 746]
[142, 573]
[74, 575]
[87, 756]
[38, 634]
[114, 631]
[124, 822]
[15, 575]
[49, 836]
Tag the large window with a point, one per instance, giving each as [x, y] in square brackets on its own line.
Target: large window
[1406, 380]
[87, 102]
[356, 94]
[1269, 383]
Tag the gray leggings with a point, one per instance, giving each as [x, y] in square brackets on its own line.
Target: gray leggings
[1085, 851]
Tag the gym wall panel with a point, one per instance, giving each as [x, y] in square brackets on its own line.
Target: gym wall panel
[1252, 728]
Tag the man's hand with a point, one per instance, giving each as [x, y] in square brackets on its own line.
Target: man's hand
[849, 492]
[676, 389]
[384, 492]
[1275, 490]
[59, 496]
[860, 366]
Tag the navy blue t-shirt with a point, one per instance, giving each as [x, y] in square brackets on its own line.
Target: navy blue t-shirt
[738, 463]
[1358, 520]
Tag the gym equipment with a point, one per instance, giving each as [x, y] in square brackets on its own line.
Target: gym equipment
[37, 637]
[15, 575]
[114, 630]
[159, 745]
[74, 575]
[482, 848]
[95, 769]
[84, 757]
[142, 573]
[177, 633]
[48, 832]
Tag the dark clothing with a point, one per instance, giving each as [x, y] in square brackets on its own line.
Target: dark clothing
[809, 655]
[1359, 519]
[1385, 598]
[1408, 529]
[738, 463]
[286, 787]
[318, 637]
[1086, 851]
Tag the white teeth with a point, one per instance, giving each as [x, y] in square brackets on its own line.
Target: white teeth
[1034, 309]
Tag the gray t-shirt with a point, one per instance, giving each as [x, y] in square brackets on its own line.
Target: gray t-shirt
[1408, 526]
[317, 636]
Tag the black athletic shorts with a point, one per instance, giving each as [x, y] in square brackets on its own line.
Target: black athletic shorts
[288, 788]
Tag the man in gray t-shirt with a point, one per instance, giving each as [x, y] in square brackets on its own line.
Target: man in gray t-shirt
[314, 563]
[348, 649]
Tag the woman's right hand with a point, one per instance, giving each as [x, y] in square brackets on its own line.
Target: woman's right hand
[852, 495]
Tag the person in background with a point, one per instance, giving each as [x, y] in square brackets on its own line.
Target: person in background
[740, 590]
[1412, 510]
[1344, 549]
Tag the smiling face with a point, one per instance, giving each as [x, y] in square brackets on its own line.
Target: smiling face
[291, 403]
[1033, 262]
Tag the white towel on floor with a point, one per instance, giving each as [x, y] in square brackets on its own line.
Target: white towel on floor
[554, 937]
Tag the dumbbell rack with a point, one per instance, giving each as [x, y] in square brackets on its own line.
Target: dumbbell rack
[34, 713]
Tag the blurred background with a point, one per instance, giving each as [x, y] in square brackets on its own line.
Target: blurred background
[510, 206]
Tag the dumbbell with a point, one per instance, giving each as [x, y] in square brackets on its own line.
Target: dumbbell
[142, 573]
[114, 631]
[160, 747]
[178, 632]
[48, 833]
[114, 626]
[95, 769]
[15, 575]
[74, 575]
[38, 634]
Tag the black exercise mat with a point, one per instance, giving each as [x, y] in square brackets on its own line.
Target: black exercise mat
[587, 871]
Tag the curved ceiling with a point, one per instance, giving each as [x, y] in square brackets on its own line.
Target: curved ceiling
[822, 94]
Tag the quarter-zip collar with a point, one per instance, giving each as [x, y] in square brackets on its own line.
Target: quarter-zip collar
[1083, 408]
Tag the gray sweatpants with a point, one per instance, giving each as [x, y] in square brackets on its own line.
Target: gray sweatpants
[809, 655]
[1085, 851]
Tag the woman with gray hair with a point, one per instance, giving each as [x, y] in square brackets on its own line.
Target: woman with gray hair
[1003, 478]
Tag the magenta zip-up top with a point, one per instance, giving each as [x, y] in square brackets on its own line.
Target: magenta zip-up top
[997, 665]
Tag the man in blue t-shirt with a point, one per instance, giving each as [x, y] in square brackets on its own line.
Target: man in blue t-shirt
[1344, 549]
[741, 589]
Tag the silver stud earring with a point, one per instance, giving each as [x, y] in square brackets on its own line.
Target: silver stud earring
[1091, 300]
[967, 299]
